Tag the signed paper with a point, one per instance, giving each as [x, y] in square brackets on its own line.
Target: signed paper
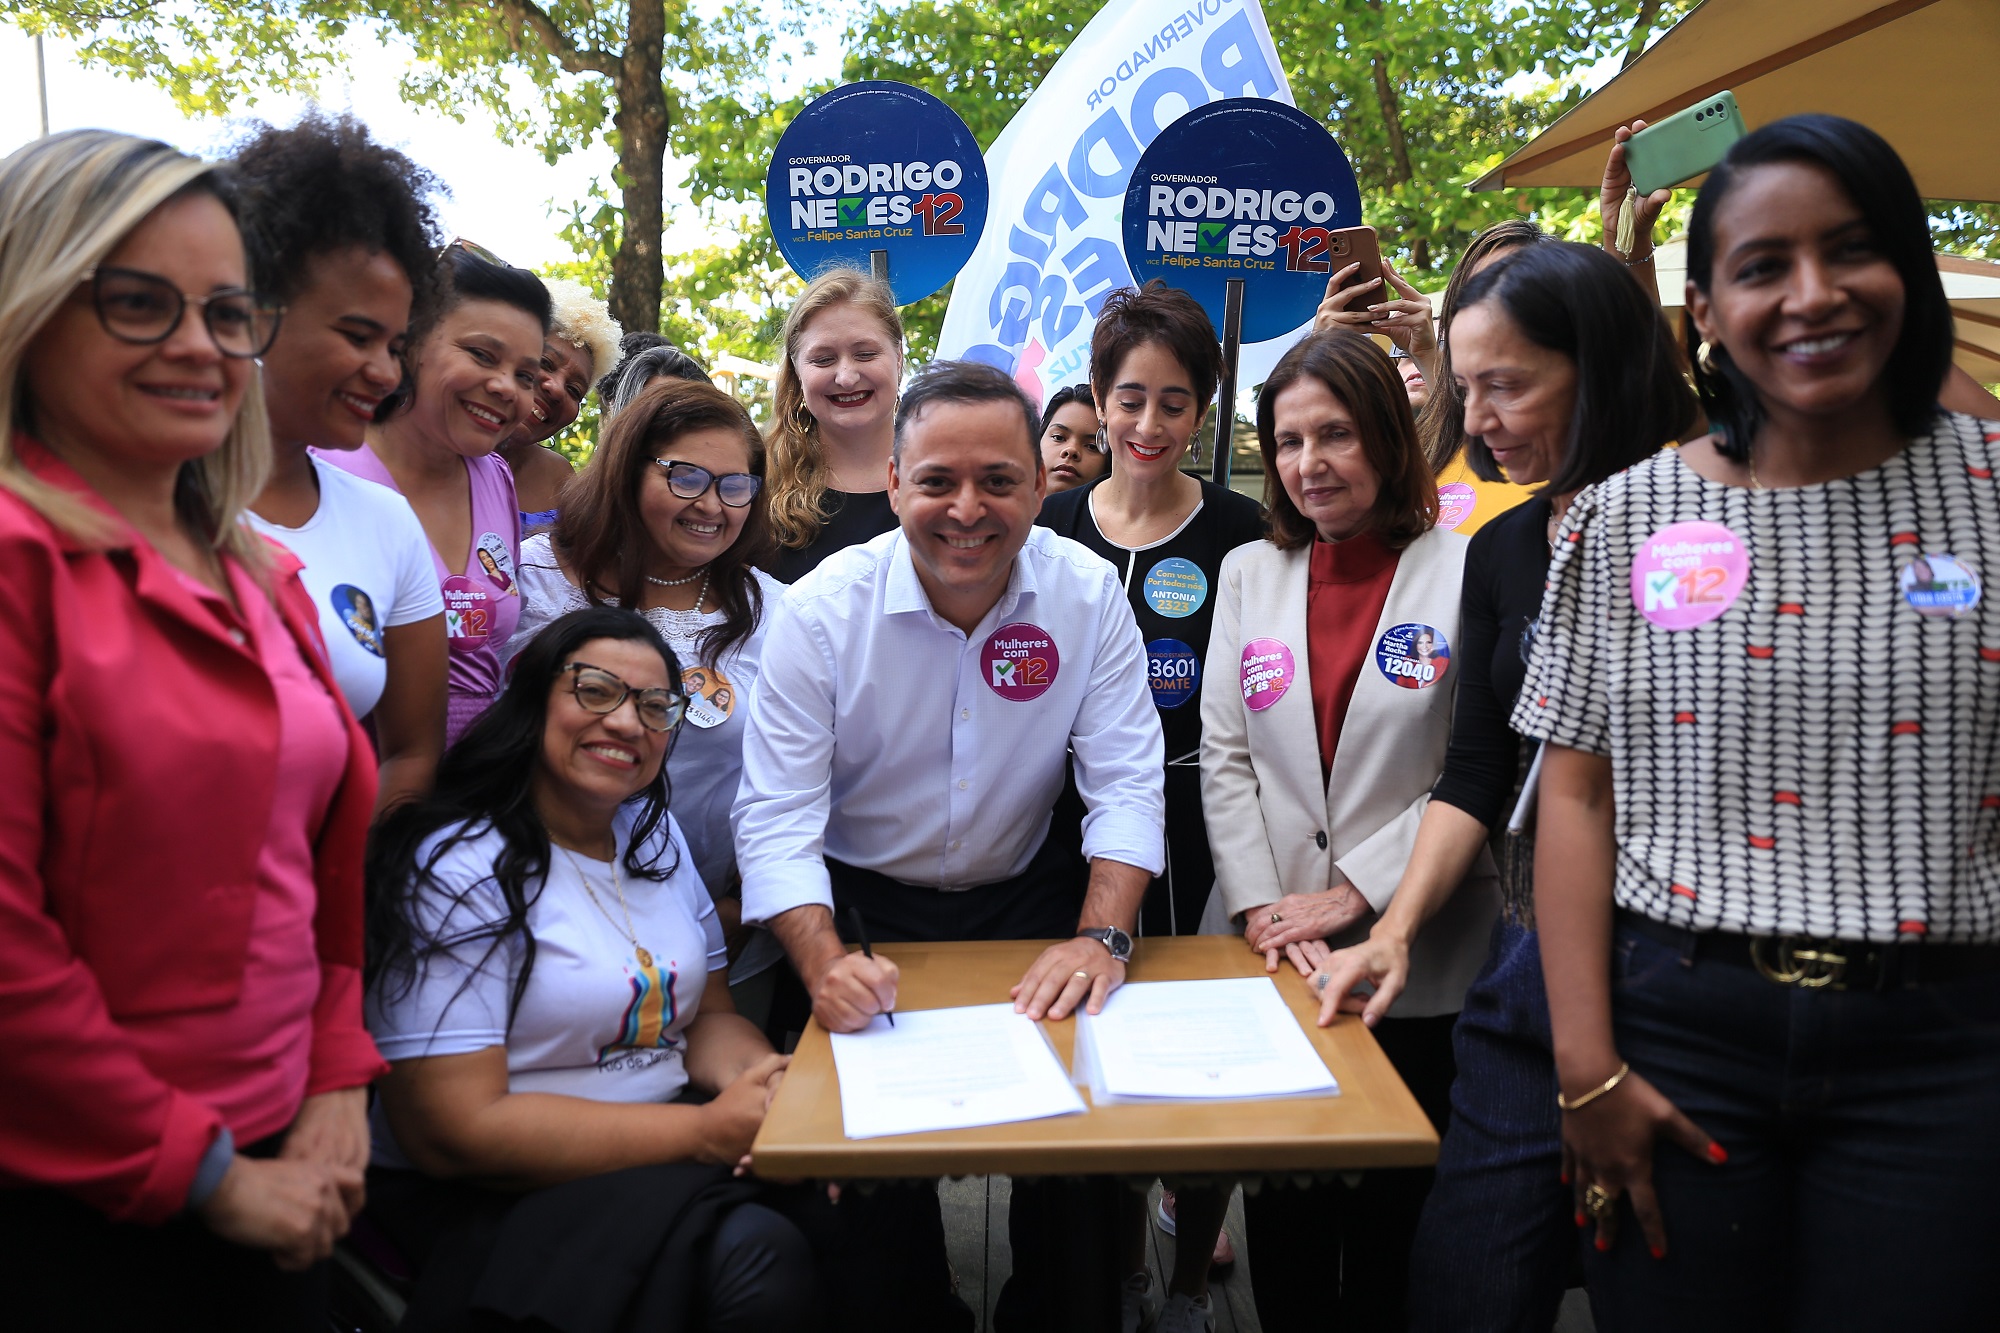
[949, 1069]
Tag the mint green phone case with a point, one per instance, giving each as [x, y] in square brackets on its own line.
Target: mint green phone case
[1685, 144]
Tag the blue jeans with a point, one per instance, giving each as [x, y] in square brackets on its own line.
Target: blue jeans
[1863, 1132]
[1497, 1242]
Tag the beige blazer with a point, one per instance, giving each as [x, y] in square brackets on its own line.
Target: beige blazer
[1274, 826]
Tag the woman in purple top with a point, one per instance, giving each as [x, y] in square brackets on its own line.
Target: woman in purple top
[471, 380]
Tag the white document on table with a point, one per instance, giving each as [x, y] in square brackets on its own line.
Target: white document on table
[949, 1069]
[1197, 1040]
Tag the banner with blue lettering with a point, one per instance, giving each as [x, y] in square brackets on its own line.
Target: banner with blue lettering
[1028, 298]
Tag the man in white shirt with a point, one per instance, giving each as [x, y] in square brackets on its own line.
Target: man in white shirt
[921, 699]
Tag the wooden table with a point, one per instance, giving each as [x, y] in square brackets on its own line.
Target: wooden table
[1375, 1122]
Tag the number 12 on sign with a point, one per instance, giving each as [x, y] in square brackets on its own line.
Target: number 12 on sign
[937, 211]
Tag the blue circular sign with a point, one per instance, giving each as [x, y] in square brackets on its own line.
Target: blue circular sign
[878, 166]
[1173, 671]
[1176, 587]
[1242, 188]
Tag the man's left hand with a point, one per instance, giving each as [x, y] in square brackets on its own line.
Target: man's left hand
[331, 1129]
[1066, 975]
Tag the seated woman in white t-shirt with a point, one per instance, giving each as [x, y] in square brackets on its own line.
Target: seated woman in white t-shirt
[546, 977]
[669, 518]
[340, 229]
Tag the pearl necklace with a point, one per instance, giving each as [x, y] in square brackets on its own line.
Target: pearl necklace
[684, 624]
[701, 573]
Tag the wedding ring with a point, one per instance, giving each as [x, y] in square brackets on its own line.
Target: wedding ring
[1275, 918]
[1597, 1202]
[1081, 973]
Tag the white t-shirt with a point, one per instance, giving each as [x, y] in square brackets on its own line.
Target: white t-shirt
[594, 1021]
[706, 765]
[368, 568]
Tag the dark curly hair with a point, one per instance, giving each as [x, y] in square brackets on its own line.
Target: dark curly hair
[323, 185]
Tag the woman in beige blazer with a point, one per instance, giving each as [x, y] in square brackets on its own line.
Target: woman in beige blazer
[1339, 632]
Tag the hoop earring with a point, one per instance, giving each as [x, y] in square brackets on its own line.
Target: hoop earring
[802, 420]
[1101, 442]
[1704, 358]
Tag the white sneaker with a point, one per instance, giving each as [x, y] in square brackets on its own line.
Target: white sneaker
[1185, 1314]
[1138, 1304]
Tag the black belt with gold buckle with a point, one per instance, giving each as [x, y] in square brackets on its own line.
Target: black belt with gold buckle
[1817, 964]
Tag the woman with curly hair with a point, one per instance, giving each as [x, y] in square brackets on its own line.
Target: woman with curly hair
[340, 230]
[834, 420]
[582, 345]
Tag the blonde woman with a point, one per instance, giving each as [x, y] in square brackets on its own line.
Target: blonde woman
[834, 420]
[582, 345]
[186, 793]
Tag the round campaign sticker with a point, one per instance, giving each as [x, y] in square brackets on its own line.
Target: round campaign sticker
[710, 694]
[467, 617]
[1267, 673]
[493, 556]
[1414, 656]
[878, 166]
[1456, 501]
[1243, 188]
[1939, 585]
[1176, 587]
[1173, 672]
[1687, 574]
[1021, 661]
[356, 610]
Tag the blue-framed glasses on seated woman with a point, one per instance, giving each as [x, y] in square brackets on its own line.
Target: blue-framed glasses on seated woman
[144, 308]
[601, 692]
[690, 481]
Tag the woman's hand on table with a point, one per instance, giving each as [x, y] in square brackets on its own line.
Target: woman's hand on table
[1301, 916]
[1381, 961]
[730, 1122]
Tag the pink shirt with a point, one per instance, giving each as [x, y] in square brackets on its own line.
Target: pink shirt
[482, 602]
[249, 1060]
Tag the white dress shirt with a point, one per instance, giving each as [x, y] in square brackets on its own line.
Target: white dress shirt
[878, 735]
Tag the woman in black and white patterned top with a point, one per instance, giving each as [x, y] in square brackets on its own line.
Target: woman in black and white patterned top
[1768, 871]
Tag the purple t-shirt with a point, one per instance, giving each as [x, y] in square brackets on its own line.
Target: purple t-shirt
[482, 602]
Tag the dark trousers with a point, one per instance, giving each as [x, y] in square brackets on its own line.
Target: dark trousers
[1337, 1255]
[1061, 1230]
[1497, 1245]
[1864, 1161]
[66, 1268]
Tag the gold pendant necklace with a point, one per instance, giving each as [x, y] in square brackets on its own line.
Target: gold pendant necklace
[617, 884]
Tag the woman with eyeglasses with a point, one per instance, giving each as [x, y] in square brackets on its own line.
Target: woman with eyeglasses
[668, 518]
[340, 230]
[185, 792]
[546, 976]
[474, 373]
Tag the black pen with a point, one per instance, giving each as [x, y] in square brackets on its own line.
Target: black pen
[861, 933]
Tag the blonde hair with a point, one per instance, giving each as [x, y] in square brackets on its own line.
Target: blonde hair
[66, 202]
[584, 322]
[797, 481]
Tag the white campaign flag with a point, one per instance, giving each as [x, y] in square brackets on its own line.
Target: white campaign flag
[1052, 250]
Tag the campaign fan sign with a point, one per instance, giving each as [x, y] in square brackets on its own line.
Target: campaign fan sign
[1028, 298]
[1244, 188]
[878, 166]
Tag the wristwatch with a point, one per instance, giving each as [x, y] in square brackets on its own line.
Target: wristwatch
[1112, 938]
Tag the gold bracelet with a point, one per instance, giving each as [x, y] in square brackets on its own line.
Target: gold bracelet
[1564, 1104]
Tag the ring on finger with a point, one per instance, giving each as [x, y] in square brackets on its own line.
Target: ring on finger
[1598, 1202]
[1081, 974]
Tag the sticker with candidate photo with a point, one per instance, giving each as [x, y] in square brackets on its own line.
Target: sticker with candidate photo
[1939, 585]
[1413, 656]
[356, 610]
[711, 696]
[493, 556]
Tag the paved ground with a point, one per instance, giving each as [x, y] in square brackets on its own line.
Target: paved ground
[975, 1225]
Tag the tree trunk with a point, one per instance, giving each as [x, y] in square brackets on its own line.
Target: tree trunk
[637, 270]
[1399, 148]
[1642, 28]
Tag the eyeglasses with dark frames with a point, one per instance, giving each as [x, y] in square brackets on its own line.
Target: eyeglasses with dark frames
[690, 481]
[598, 691]
[144, 309]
